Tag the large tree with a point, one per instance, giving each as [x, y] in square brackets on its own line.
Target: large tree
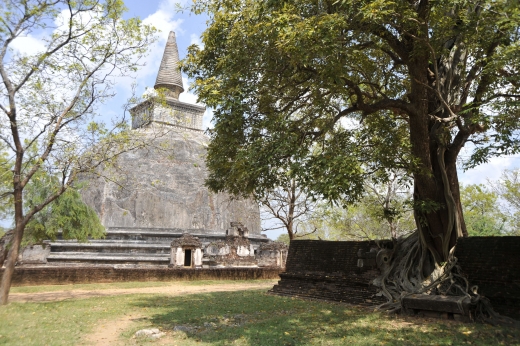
[50, 100]
[337, 90]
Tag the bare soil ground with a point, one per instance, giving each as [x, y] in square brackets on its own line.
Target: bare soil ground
[174, 290]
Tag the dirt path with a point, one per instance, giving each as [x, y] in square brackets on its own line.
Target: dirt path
[108, 332]
[173, 290]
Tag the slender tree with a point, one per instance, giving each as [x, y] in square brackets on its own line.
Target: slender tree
[383, 212]
[287, 207]
[508, 189]
[50, 99]
[67, 214]
[375, 84]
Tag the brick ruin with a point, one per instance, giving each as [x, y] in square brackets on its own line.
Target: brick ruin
[330, 270]
[236, 250]
[30, 276]
[343, 271]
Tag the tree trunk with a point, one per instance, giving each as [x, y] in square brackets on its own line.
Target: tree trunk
[436, 187]
[289, 227]
[20, 223]
[5, 245]
[10, 264]
[439, 221]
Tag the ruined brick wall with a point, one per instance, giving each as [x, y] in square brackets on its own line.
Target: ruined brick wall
[329, 270]
[326, 256]
[75, 275]
[493, 264]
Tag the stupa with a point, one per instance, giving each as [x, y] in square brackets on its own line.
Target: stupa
[159, 195]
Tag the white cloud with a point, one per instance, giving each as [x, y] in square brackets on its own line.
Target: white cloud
[489, 171]
[27, 45]
[195, 39]
[187, 96]
[206, 119]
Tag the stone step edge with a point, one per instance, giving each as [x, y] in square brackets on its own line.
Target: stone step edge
[355, 301]
[102, 256]
[175, 235]
[109, 245]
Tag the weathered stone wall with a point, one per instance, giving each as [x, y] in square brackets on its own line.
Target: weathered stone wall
[493, 264]
[75, 275]
[162, 186]
[34, 254]
[232, 252]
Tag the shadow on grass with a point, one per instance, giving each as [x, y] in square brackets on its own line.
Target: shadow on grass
[256, 318]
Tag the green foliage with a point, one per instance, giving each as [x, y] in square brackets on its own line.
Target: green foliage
[508, 189]
[372, 217]
[67, 214]
[5, 181]
[335, 92]
[284, 238]
[482, 211]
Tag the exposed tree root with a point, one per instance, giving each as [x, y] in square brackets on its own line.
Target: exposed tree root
[409, 268]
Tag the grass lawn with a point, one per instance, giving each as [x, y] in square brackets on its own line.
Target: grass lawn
[234, 318]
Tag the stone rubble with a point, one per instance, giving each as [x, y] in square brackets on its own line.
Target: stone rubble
[152, 333]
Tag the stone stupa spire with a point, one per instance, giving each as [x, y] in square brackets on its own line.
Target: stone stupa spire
[169, 76]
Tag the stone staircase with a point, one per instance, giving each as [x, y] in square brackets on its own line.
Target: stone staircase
[112, 251]
[121, 246]
[132, 246]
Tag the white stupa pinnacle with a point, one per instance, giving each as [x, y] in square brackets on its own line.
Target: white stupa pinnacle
[171, 112]
[169, 76]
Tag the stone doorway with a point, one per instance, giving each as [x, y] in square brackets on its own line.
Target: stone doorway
[187, 258]
[186, 252]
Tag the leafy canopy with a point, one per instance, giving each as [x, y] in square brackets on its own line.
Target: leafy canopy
[335, 91]
[482, 211]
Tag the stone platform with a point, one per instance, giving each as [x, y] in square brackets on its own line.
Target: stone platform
[138, 246]
[76, 274]
[340, 289]
[459, 308]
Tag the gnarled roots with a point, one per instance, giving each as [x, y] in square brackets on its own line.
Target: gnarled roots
[409, 268]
